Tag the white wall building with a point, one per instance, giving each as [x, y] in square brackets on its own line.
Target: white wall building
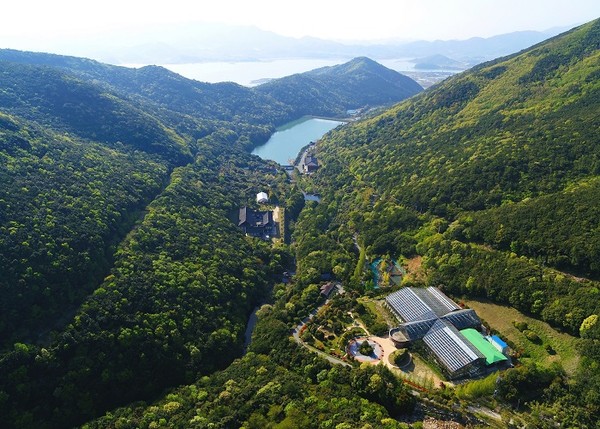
[262, 198]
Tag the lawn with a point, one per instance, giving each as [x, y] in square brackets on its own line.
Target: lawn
[500, 318]
[377, 318]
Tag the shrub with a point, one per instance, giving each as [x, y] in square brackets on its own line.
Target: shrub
[399, 357]
[477, 388]
[521, 326]
[532, 336]
[379, 328]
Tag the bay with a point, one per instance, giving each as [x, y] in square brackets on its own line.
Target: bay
[248, 73]
[286, 142]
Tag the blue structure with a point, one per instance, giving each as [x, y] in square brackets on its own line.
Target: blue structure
[395, 271]
[499, 344]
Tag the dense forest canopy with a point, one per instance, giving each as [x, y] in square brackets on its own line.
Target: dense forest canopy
[118, 236]
[65, 204]
[123, 272]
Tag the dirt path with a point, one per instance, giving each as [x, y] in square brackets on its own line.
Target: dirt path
[296, 335]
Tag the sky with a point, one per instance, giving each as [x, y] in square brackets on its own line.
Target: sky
[31, 24]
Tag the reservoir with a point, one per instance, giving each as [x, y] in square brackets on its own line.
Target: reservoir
[286, 142]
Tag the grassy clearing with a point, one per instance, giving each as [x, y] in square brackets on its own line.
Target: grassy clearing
[377, 319]
[501, 318]
[421, 373]
[383, 314]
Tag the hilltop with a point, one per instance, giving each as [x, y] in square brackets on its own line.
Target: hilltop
[333, 90]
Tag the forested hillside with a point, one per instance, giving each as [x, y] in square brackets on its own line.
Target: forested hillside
[125, 275]
[132, 112]
[174, 305]
[65, 205]
[57, 101]
[499, 168]
[507, 130]
[122, 270]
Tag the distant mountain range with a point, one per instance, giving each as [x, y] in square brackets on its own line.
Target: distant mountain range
[328, 91]
[438, 62]
[199, 42]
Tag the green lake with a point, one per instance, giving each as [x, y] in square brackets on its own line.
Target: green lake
[286, 142]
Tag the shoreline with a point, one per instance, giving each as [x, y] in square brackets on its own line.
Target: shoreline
[289, 125]
[306, 118]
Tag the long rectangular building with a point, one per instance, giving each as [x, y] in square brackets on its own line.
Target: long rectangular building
[453, 350]
[411, 304]
[429, 315]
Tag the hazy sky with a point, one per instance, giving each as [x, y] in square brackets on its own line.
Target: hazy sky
[36, 21]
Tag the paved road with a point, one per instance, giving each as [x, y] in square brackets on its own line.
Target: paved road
[250, 328]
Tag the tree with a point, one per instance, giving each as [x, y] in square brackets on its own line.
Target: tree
[365, 348]
[587, 325]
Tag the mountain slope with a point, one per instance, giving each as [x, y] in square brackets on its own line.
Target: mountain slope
[333, 90]
[506, 130]
[64, 103]
[559, 228]
[65, 203]
[500, 164]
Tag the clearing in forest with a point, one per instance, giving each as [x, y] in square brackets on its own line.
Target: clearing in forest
[501, 318]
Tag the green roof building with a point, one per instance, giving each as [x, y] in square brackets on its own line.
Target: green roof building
[492, 355]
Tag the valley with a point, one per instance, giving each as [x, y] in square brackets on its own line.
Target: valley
[483, 186]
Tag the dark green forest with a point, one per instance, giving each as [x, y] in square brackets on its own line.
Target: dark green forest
[561, 229]
[65, 206]
[123, 271]
[128, 284]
